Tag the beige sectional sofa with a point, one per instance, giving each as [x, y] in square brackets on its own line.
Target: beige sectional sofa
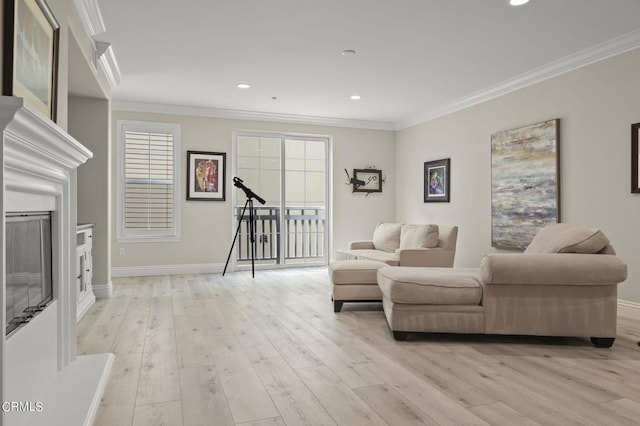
[564, 284]
[406, 245]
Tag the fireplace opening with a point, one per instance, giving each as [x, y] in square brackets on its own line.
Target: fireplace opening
[29, 283]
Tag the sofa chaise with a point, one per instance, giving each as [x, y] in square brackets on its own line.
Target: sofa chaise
[564, 284]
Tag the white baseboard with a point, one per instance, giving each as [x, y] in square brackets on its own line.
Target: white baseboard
[629, 309]
[83, 307]
[103, 291]
[141, 271]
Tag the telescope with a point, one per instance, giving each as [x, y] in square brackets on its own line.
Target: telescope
[238, 183]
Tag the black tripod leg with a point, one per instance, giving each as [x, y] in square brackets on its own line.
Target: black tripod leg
[252, 238]
[235, 237]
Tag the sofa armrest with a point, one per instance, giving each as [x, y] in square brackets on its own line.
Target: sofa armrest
[361, 245]
[426, 257]
[552, 269]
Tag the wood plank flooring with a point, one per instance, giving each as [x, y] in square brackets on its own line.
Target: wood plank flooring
[213, 350]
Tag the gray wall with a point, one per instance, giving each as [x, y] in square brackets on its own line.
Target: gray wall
[89, 122]
[208, 228]
[596, 106]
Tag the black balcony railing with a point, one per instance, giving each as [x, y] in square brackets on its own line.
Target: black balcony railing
[304, 233]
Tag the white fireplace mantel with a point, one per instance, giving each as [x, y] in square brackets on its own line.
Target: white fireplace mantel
[38, 361]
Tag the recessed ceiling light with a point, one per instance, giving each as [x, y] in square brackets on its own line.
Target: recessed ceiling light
[349, 52]
[518, 2]
[356, 97]
[243, 85]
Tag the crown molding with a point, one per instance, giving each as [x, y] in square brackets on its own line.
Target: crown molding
[93, 24]
[599, 52]
[248, 115]
[90, 16]
[110, 67]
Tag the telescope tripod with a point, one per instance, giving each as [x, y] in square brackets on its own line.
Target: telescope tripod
[252, 237]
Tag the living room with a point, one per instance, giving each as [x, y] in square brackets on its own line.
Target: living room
[592, 93]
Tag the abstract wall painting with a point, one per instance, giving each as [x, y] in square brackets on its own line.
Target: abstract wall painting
[525, 183]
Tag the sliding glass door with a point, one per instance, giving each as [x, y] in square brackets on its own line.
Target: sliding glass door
[290, 173]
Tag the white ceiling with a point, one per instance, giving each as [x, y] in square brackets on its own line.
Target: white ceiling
[414, 58]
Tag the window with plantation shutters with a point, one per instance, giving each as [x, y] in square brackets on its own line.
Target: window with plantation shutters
[149, 158]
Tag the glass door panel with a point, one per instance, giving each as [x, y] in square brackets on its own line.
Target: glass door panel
[305, 201]
[258, 165]
[290, 174]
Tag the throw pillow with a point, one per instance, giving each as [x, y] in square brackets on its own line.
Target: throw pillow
[386, 237]
[418, 236]
[565, 238]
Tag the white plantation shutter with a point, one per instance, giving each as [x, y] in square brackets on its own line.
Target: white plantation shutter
[150, 157]
[149, 180]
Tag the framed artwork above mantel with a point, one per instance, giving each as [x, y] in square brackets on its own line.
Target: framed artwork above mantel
[30, 54]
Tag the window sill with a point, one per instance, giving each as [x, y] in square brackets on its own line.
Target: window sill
[148, 239]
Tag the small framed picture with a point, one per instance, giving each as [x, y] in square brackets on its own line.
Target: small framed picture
[30, 59]
[206, 175]
[368, 180]
[437, 175]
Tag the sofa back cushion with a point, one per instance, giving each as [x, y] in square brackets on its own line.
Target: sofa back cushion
[418, 236]
[565, 238]
[386, 237]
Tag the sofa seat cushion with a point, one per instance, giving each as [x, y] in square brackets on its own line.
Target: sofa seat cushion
[431, 286]
[344, 272]
[566, 238]
[390, 259]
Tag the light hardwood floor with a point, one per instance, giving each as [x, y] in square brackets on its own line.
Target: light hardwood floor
[213, 350]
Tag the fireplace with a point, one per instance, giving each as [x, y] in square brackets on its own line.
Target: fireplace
[29, 281]
[38, 360]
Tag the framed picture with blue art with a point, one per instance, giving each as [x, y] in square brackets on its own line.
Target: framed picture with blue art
[437, 178]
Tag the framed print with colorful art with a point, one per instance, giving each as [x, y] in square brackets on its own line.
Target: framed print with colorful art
[437, 175]
[206, 175]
